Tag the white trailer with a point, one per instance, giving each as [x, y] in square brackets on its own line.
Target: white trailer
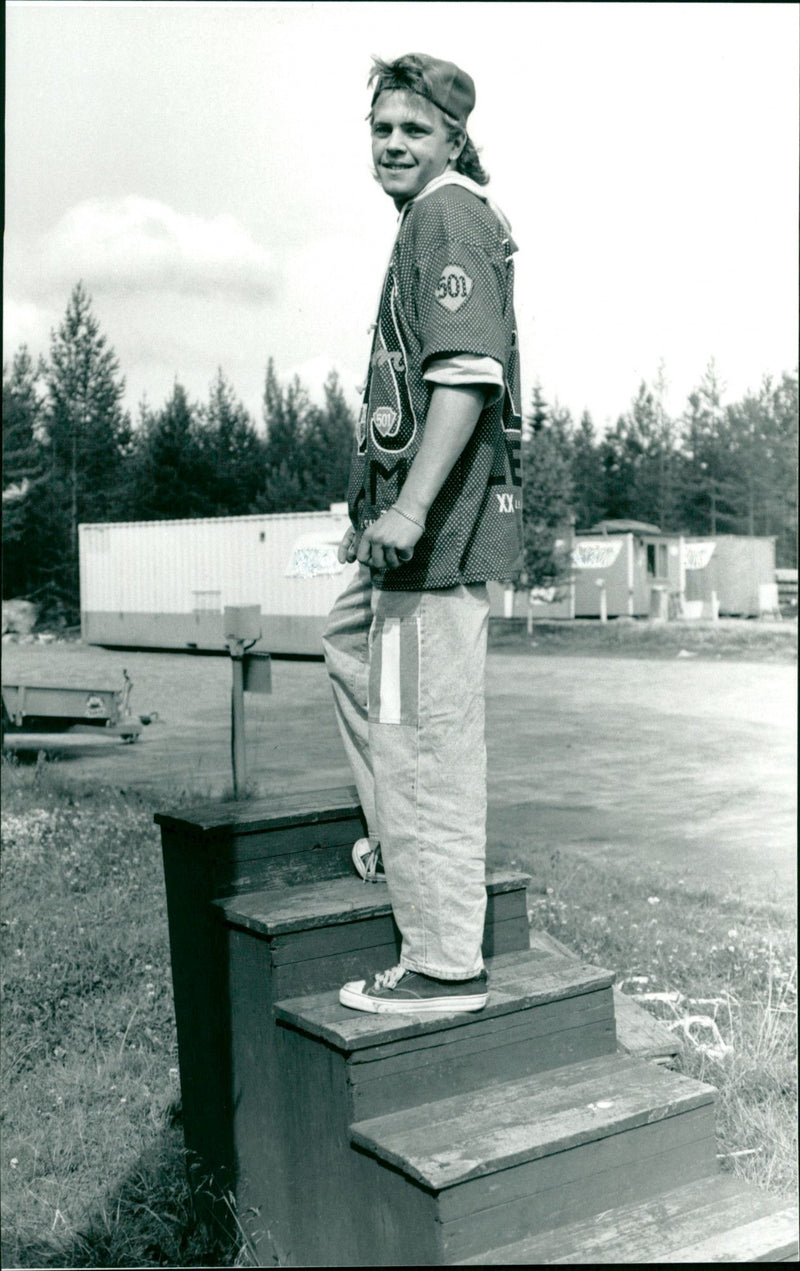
[165, 584]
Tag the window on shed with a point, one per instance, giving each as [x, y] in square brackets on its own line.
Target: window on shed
[657, 560]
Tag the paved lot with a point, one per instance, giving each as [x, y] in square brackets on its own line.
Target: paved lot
[687, 763]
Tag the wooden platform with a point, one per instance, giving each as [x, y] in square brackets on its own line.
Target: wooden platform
[524, 1133]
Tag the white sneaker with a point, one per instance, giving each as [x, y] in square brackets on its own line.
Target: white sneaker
[367, 859]
[402, 992]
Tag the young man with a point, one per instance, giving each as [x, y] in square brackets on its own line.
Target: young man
[435, 506]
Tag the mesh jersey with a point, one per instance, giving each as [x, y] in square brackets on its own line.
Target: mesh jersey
[448, 290]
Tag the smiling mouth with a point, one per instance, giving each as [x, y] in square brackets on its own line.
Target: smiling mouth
[397, 167]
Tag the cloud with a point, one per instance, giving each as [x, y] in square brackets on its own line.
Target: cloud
[23, 323]
[135, 245]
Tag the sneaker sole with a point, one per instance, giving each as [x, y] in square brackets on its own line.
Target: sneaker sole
[417, 1006]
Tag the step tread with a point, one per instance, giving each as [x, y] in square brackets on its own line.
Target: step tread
[279, 910]
[446, 1142]
[308, 807]
[715, 1219]
[518, 980]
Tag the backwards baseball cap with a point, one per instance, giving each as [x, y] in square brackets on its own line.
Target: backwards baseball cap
[446, 85]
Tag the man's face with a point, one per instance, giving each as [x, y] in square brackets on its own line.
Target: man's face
[409, 144]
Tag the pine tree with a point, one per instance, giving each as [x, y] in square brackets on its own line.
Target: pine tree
[291, 484]
[168, 480]
[708, 487]
[547, 493]
[231, 452]
[24, 470]
[329, 447]
[87, 432]
[587, 475]
[539, 413]
[22, 422]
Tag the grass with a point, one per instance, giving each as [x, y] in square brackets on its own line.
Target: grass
[92, 1162]
[93, 1169]
[721, 972]
[729, 639]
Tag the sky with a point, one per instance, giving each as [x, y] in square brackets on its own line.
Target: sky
[204, 169]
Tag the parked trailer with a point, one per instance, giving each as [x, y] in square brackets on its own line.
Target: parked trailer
[166, 584]
[34, 714]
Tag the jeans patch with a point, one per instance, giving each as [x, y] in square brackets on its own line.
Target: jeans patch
[394, 671]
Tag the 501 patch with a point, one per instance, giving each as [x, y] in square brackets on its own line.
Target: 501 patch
[386, 421]
[453, 288]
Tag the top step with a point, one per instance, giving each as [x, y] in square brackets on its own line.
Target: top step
[215, 820]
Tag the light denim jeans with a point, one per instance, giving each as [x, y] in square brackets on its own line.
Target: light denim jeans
[407, 670]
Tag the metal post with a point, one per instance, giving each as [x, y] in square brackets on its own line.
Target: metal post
[242, 630]
[238, 752]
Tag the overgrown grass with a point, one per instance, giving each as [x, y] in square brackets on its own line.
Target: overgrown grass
[92, 1161]
[721, 972]
[93, 1169]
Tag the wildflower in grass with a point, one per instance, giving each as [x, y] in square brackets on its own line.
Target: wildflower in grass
[653, 900]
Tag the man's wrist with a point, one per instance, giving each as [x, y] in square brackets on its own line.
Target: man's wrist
[412, 512]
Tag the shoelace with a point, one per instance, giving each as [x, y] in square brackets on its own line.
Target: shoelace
[371, 863]
[389, 979]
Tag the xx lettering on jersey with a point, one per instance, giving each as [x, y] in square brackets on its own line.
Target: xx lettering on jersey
[505, 501]
[453, 288]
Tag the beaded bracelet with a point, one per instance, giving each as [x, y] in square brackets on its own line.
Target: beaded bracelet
[418, 524]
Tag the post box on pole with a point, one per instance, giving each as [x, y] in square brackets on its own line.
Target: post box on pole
[251, 672]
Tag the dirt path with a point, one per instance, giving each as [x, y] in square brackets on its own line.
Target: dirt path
[686, 763]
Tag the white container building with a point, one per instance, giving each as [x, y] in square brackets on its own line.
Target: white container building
[165, 584]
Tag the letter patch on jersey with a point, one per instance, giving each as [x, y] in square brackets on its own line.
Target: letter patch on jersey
[453, 288]
[386, 421]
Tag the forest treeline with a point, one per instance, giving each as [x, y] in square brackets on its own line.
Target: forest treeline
[72, 454]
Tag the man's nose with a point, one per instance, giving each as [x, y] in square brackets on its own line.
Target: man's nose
[396, 141]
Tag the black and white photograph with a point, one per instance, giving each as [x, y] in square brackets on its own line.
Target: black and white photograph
[399, 667]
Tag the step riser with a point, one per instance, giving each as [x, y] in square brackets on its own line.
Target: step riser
[534, 1040]
[575, 1184]
[325, 1176]
[716, 1219]
[313, 961]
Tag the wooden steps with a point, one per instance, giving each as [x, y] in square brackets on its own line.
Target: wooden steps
[321, 934]
[533, 1153]
[519, 1134]
[715, 1219]
[542, 1012]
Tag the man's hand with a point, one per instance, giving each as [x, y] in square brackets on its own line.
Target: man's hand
[348, 547]
[389, 541]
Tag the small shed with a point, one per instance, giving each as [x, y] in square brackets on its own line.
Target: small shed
[632, 569]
